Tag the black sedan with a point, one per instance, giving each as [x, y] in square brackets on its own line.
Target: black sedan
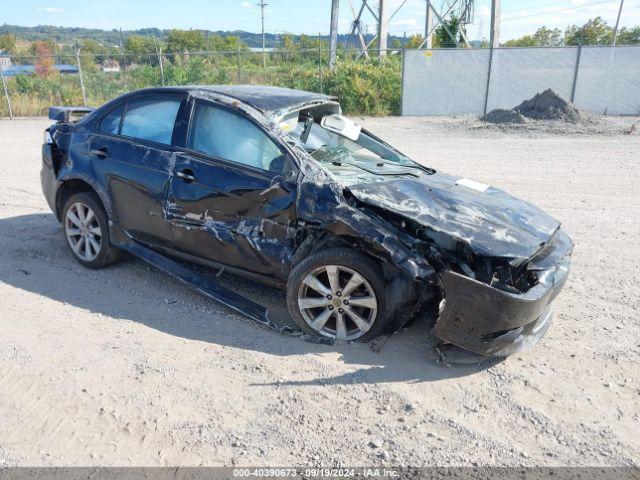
[279, 186]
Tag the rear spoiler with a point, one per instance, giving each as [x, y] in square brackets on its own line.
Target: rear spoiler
[67, 114]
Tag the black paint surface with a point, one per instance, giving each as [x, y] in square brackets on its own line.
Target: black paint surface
[432, 232]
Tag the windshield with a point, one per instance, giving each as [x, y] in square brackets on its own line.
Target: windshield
[329, 147]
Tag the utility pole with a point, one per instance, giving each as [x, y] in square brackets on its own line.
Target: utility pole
[333, 34]
[615, 30]
[428, 22]
[495, 24]
[124, 58]
[264, 58]
[382, 28]
[239, 61]
[159, 54]
[84, 95]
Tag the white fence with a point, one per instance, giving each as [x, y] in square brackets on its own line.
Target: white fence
[601, 80]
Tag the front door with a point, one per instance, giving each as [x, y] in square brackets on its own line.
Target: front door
[231, 196]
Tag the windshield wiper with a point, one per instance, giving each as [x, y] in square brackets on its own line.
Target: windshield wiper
[374, 172]
[428, 170]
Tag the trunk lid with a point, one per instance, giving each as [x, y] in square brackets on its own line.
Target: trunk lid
[68, 114]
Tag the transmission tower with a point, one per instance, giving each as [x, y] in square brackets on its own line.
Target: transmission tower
[463, 9]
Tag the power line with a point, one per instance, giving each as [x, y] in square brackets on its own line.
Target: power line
[549, 12]
[297, 21]
[536, 7]
[480, 16]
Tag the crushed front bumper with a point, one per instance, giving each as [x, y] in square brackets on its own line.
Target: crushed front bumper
[492, 322]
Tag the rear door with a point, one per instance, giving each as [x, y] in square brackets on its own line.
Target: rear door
[134, 156]
[231, 198]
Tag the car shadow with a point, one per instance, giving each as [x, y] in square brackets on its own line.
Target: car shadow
[34, 258]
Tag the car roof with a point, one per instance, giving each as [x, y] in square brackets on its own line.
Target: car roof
[263, 98]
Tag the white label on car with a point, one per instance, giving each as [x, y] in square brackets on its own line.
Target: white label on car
[472, 184]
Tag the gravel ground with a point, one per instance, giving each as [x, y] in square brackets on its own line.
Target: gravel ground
[124, 366]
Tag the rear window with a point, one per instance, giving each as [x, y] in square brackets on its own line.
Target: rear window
[151, 119]
[110, 123]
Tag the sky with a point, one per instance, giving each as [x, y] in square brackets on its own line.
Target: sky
[519, 17]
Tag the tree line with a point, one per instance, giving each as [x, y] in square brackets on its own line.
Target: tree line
[596, 31]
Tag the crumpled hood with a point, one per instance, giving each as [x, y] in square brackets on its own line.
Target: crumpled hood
[492, 222]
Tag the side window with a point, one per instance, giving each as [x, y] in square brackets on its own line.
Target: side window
[151, 119]
[226, 135]
[110, 123]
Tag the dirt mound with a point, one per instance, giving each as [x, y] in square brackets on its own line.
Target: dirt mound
[547, 105]
[502, 116]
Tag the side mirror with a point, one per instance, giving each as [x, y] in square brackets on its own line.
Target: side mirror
[290, 175]
[284, 166]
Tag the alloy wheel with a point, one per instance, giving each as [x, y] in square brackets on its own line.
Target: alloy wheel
[337, 302]
[83, 231]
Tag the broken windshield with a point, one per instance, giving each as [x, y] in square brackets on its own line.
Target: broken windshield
[366, 151]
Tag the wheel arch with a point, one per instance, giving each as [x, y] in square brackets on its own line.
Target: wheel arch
[71, 186]
[409, 297]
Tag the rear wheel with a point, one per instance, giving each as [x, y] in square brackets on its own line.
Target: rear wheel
[87, 231]
[337, 293]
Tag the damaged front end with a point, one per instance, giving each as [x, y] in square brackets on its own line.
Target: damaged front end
[489, 305]
[510, 308]
[499, 262]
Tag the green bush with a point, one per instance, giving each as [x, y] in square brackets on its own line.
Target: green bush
[363, 86]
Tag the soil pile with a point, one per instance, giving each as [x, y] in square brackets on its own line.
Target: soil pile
[502, 116]
[547, 105]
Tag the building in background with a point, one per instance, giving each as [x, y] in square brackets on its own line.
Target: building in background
[10, 70]
[110, 66]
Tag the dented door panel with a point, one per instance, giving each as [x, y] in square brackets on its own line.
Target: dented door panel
[231, 215]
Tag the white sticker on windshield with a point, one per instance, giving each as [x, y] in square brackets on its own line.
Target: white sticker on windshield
[472, 184]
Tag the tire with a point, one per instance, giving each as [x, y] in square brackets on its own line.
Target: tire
[317, 310]
[86, 230]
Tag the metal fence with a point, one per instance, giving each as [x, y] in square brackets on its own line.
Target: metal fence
[433, 82]
[31, 84]
[600, 80]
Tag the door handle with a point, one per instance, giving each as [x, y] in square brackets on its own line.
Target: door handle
[186, 175]
[100, 152]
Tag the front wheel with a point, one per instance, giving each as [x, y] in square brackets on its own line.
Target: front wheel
[337, 293]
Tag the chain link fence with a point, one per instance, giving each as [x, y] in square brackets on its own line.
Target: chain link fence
[601, 80]
[32, 84]
[598, 79]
